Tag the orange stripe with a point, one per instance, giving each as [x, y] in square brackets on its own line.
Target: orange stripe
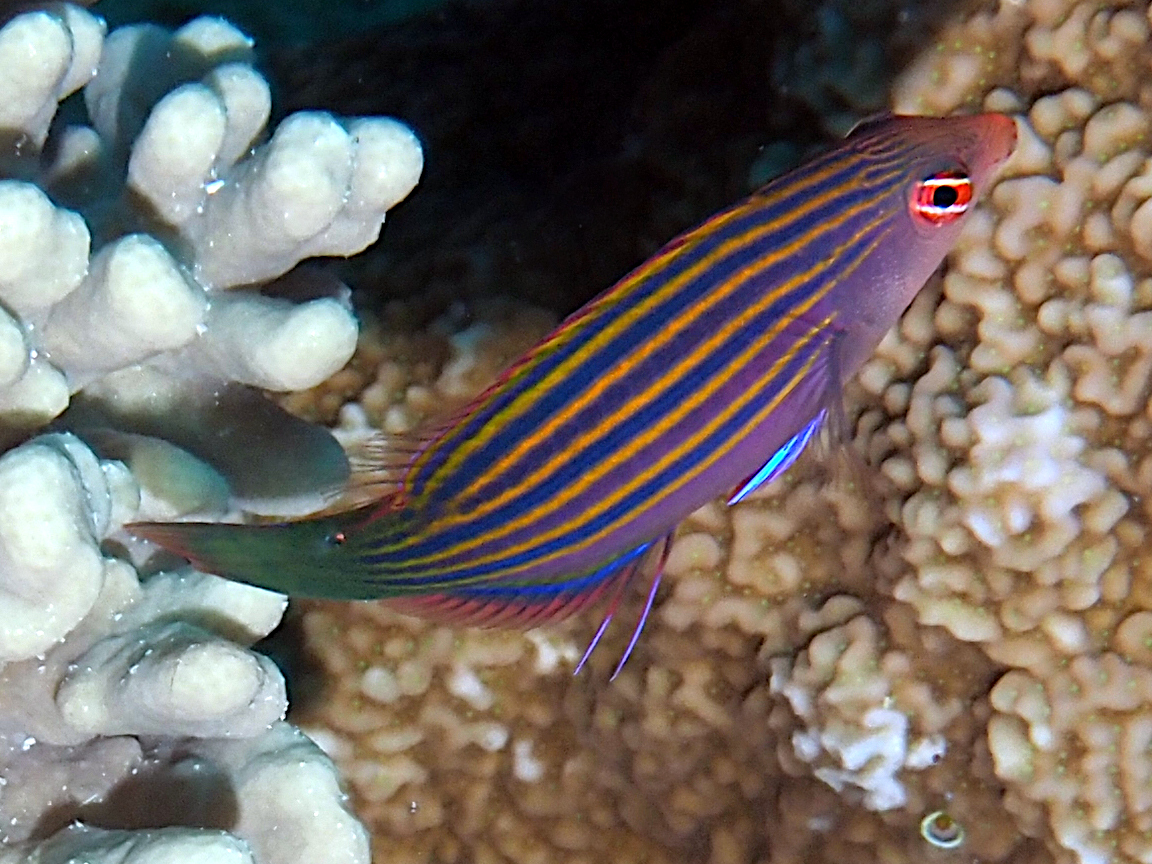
[659, 465]
[528, 398]
[666, 459]
[581, 445]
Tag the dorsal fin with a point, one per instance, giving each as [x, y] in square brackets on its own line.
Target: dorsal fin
[379, 463]
[869, 123]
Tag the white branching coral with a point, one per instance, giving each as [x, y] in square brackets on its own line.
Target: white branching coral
[118, 238]
[49, 535]
[135, 217]
[852, 731]
[82, 843]
[106, 679]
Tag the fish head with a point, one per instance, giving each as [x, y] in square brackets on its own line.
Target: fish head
[937, 170]
[949, 163]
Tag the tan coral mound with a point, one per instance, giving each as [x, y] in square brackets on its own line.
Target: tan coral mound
[1023, 452]
[471, 745]
[822, 674]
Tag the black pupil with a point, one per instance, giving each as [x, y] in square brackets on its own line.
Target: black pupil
[944, 196]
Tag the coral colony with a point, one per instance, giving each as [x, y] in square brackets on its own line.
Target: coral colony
[122, 241]
[960, 668]
[957, 668]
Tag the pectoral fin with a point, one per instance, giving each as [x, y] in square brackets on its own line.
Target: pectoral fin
[781, 460]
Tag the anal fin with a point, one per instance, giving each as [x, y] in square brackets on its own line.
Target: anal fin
[500, 603]
[524, 606]
[665, 545]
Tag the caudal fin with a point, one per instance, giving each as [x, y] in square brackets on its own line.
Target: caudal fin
[301, 559]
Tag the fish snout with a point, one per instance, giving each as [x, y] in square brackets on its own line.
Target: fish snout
[1001, 135]
[997, 136]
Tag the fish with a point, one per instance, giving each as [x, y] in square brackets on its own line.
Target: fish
[704, 372]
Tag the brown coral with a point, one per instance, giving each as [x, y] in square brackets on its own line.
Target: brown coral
[977, 645]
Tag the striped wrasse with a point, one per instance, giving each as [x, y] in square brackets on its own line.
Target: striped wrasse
[703, 372]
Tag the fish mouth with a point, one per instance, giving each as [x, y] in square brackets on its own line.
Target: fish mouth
[1002, 132]
[997, 135]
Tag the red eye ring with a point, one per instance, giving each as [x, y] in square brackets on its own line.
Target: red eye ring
[943, 197]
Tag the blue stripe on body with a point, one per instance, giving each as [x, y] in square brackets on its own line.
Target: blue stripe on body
[605, 358]
[647, 492]
[772, 208]
[461, 487]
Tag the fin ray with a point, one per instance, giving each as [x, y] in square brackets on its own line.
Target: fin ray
[822, 434]
[780, 461]
[643, 619]
[379, 464]
[504, 604]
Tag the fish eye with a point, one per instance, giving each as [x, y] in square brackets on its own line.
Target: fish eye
[336, 538]
[942, 197]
